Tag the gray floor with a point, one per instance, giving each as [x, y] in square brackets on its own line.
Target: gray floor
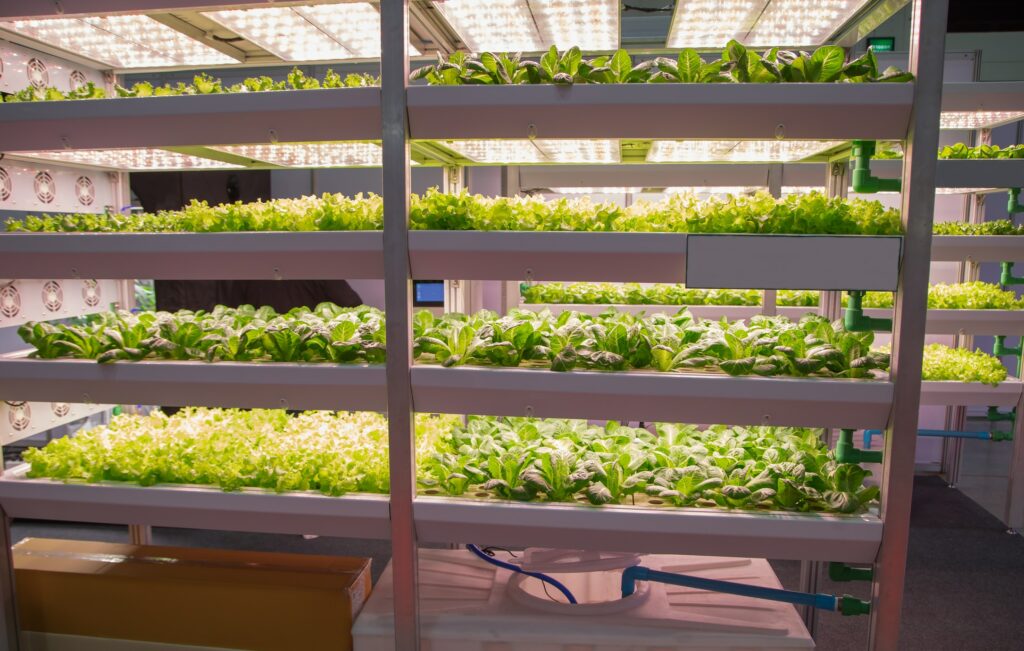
[965, 578]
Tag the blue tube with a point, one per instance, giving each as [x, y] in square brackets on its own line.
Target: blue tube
[941, 433]
[636, 573]
[515, 568]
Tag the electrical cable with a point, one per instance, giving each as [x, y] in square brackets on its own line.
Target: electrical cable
[515, 568]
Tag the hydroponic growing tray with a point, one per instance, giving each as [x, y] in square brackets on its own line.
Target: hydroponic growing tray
[194, 120]
[269, 385]
[978, 248]
[807, 536]
[763, 111]
[197, 507]
[650, 396]
[194, 256]
[953, 394]
[713, 260]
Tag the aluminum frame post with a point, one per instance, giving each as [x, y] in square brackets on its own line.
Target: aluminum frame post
[9, 635]
[810, 580]
[927, 54]
[1013, 515]
[397, 186]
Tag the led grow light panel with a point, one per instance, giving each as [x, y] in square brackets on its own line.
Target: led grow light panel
[536, 151]
[533, 25]
[759, 23]
[131, 160]
[723, 190]
[333, 154]
[597, 190]
[977, 119]
[348, 30]
[735, 151]
[129, 41]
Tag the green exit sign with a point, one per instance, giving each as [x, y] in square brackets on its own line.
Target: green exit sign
[882, 43]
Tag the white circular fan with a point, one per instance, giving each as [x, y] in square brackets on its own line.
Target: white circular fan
[19, 415]
[91, 293]
[37, 73]
[60, 409]
[46, 189]
[5, 185]
[10, 301]
[77, 79]
[85, 190]
[53, 295]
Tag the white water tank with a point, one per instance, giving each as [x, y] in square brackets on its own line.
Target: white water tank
[467, 604]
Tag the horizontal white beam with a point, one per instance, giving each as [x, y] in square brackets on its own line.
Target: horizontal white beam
[983, 96]
[652, 530]
[978, 248]
[652, 396]
[738, 261]
[191, 120]
[221, 384]
[759, 111]
[955, 394]
[193, 256]
[665, 175]
[68, 8]
[195, 507]
[956, 173]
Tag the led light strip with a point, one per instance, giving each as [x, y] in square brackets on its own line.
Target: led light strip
[129, 41]
[977, 119]
[536, 151]
[533, 25]
[752, 151]
[331, 154]
[349, 30]
[130, 160]
[758, 23]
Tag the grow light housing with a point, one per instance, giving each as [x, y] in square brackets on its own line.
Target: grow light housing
[722, 190]
[348, 30]
[130, 160]
[536, 151]
[597, 190]
[533, 25]
[734, 151]
[977, 119]
[759, 23]
[328, 154]
[126, 41]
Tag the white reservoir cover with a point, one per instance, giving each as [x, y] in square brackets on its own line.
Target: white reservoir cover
[465, 605]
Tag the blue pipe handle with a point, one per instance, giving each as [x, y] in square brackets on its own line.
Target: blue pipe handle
[637, 573]
[942, 433]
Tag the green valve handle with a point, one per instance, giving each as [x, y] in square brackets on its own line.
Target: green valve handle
[850, 605]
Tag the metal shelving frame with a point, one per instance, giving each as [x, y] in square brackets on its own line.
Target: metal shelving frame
[907, 112]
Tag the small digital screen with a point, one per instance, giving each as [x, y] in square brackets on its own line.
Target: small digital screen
[428, 293]
[882, 43]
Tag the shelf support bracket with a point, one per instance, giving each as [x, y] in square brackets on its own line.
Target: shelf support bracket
[854, 319]
[847, 453]
[863, 181]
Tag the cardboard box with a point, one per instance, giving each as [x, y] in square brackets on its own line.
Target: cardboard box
[189, 596]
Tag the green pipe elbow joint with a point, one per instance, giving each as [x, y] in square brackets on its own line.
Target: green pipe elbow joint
[847, 453]
[854, 319]
[862, 180]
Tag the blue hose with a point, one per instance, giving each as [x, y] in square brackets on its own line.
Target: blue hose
[515, 568]
[941, 433]
[637, 573]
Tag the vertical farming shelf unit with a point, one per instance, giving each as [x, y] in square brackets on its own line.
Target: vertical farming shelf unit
[909, 112]
[398, 114]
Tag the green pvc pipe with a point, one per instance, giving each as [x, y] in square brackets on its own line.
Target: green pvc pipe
[1006, 277]
[863, 181]
[842, 573]
[1013, 205]
[854, 319]
[847, 453]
